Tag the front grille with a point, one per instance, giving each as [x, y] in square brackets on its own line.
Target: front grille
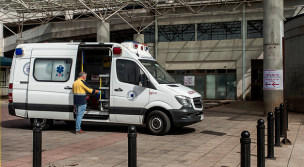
[197, 102]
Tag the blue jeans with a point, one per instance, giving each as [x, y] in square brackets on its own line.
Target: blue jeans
[80, 109]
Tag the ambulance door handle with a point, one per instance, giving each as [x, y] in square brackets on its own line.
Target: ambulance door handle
[67, 87]
[119, 90]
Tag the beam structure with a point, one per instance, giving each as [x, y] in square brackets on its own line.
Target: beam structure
[39, 12]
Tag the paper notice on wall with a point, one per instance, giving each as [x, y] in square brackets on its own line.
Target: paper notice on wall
[189, 80]
[273, 80]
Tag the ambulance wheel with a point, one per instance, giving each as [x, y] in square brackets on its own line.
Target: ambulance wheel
[45, 123]
[158, 123]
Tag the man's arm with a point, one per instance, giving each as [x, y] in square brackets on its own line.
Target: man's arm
[87, 88]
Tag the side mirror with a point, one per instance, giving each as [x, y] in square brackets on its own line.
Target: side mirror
[144, 80]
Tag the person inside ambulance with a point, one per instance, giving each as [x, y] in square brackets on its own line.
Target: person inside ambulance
[80, 87]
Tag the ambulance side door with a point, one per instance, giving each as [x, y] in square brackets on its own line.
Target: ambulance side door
[129, 97]
[50, 93]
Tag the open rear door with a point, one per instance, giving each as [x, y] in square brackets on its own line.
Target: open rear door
[20, 74]
[50, 93]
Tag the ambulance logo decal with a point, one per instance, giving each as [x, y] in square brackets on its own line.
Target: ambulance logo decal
[26, 68]
[59, 71]
[131, 95]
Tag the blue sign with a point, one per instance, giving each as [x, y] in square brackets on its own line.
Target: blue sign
[59, 71]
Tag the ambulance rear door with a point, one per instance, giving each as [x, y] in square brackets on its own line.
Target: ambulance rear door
[50, 93]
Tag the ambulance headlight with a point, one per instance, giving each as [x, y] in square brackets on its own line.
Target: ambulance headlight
[184, 101]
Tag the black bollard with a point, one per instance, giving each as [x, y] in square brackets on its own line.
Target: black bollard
[277, 127]
[37, 145]
[282, 120]
[286, 115]
[245, 149]
[270, 136]
[132, 153]
[261, 143]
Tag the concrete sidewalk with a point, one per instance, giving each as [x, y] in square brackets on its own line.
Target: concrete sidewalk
[212, 142]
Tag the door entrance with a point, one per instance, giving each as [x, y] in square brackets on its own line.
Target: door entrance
[257, 80]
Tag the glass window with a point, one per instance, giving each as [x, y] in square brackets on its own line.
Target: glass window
[127, 71]
[221, 86]
[149, 33]
[52, 69]
[122, 35]
[220, 71]
[210, 71]
[231, 71]
[3, 77]
[210, 86]
[160, 75]
[200, 71]
[219, 31]
[255, 29]
[181, 32]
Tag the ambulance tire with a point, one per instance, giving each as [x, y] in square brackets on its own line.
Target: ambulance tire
[45, 123]
[158, 123]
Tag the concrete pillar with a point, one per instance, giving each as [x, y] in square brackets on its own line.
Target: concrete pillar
[140, 38]
[1, 40]
[103, 32]
[273, 59]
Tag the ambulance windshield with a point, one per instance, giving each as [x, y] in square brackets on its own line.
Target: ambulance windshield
[161, 75]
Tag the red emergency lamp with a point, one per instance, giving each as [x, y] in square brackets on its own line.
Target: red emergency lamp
[135, 46]
[117, 50]
[142, 48]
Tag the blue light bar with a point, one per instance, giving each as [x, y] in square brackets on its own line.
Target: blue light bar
[18, 51]
[146, 48]
[132, 41]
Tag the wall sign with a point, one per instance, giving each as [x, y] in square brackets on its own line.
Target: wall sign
[273, 80]
[189, 80]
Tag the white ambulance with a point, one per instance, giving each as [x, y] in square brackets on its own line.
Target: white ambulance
[135, 88]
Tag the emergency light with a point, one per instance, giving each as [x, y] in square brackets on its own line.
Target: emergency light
[117, 50]
[19, 51]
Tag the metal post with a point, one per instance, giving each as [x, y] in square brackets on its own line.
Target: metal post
[261, 143]
[195, 31]
[37, 145]
[156, 38]
[282, 120]
[132, 146]
[277, 127]
[1, 40]
[286, 105]
[245, 149]
[270, 136]
[244, 52]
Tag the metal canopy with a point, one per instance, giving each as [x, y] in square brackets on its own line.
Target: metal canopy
[39, 12]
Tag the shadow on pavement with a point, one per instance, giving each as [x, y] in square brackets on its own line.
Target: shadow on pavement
[90, 127]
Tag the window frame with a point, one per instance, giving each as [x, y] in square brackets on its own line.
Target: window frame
[52, 59]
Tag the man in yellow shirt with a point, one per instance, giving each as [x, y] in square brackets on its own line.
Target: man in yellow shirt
[80, 87]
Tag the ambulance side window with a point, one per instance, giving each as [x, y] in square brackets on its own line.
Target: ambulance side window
[52, 70]
[128, 71]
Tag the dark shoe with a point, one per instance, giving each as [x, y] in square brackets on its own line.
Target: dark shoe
[80, 131]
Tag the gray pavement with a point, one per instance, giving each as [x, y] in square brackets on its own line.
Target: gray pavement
[212, 142]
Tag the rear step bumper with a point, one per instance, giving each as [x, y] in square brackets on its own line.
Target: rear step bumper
[11, 109]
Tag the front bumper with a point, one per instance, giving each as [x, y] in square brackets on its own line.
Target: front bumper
[186, 116]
